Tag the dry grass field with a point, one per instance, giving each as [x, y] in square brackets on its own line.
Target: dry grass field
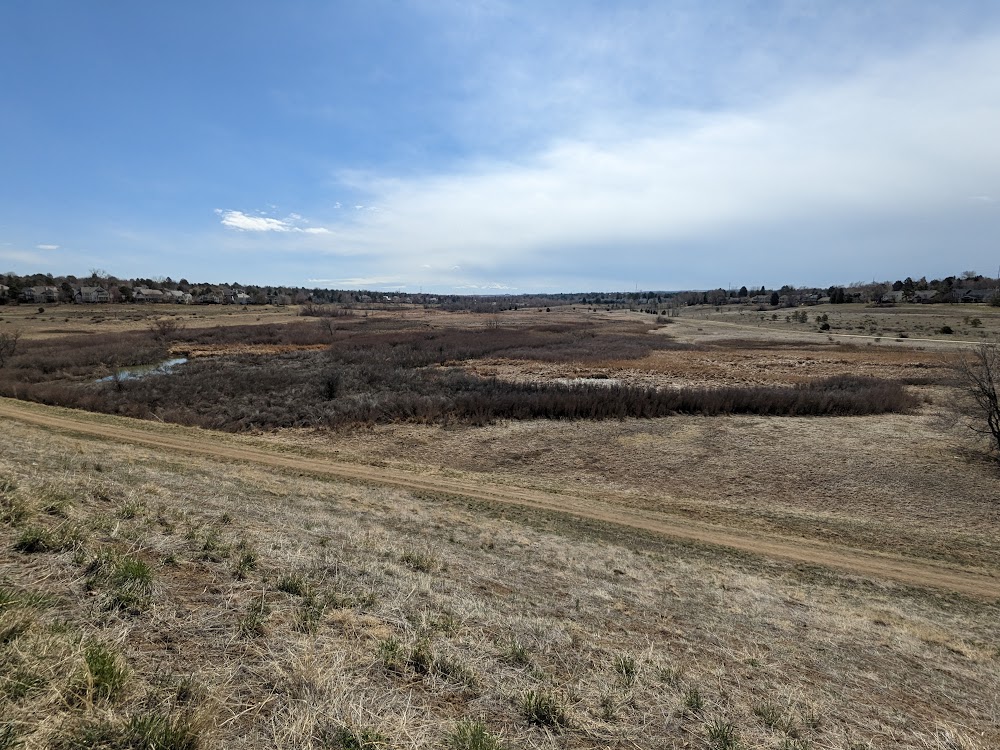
[447, 585]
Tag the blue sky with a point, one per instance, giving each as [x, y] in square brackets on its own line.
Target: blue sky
[491, 146]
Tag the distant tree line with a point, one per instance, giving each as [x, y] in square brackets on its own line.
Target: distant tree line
[948, 289]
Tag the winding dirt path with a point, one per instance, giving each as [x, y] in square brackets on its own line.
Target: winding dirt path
[205, 443]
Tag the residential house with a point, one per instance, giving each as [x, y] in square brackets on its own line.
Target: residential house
[978, 295]
[91, 295]
[891, 297]
[925, 296]
[145, 294]
[37, 294]
[235, 297]
[177, 297]
[209, 298]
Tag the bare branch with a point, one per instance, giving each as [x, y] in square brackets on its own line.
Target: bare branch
[979, 371]
[8, 345]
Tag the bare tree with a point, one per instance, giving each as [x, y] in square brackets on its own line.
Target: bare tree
[166, 328]
[8, 345]
[979, 371]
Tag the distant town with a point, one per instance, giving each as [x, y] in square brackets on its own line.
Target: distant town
[101, 288]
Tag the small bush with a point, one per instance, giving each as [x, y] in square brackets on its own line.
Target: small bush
[945, 330]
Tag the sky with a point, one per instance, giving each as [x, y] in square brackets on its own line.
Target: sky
[490, 147]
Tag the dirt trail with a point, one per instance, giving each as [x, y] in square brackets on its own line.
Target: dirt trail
[910, 571]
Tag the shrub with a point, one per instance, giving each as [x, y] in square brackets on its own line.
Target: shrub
[381, 375]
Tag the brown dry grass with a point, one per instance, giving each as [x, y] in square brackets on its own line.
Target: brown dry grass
[411, 613]
[289, 611]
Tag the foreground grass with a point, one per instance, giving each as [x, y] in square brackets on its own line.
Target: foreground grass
[188, 604]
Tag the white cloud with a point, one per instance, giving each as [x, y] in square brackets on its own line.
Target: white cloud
[245, 223]
[47, 247]
[239, 220]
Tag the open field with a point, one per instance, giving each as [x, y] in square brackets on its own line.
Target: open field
[692, 581]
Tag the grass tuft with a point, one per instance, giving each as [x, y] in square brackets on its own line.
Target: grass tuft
[8, 737]
[470, 734]
[158, 731]
[424, 562]
[104, 676]
[693, 701]
[354, 738]
[294, 584]
[544, 708]
[722, 735]
[37, 539]
[627, 668]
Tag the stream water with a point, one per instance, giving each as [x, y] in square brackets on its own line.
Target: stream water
[141, 371]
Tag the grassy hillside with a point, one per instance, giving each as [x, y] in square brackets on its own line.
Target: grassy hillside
[158, 600]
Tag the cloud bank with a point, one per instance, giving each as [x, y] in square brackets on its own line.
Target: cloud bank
[880, 155]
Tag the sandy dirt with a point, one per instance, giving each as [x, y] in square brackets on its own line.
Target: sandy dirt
[909, 571]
